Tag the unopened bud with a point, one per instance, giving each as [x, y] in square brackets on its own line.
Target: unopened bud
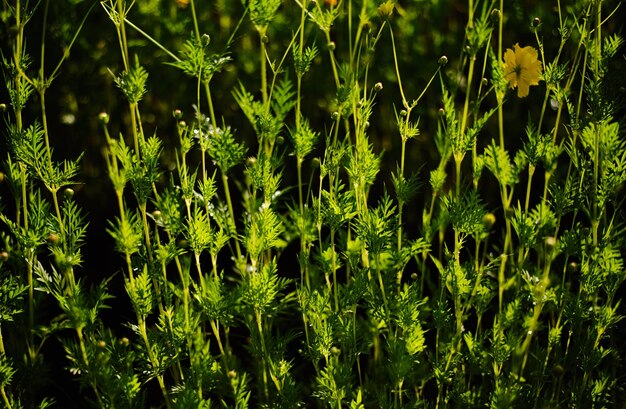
[378, 86]
[335, 115]
[4, 256]
[536, 22]
[68, 193]
[101, 344]
[443, 60]
[177, 114]
[495, 15]
[206, 40]
[550, 242]
[331, 46]
[103, 117]
[489, 220]
[3, 108]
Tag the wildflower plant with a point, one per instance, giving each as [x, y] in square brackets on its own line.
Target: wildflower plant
[314, 224]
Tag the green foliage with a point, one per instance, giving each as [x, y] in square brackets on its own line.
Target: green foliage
[336, 278]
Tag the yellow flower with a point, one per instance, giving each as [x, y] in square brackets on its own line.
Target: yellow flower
[522, 68]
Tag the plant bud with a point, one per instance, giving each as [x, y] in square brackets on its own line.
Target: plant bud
[4, 256]
[182, 124]
[232, 374]
[68, 193]
[403, 113]
[536, 22]
[335, 351]
[280, 140]
[385, 10]
[178, 114]
[573, 267]
[331, 46]
[156, 214]
[265, 39]
[53, 239]
[1, 177]
[488, 221]
[315, 163]
[335, 115]
[124, 341]
[101, 344]
[206, 40]
[414, 276]
[495, 15]
[3, 108]
[103, 117]
[378, 87]
[443, 60]
[558, 370]
[550, 242]
[441, 112]
[250, 161]
[484, 82]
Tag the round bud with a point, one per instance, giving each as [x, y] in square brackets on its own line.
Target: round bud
[103, 117]
[331, 46]
[558, 370]
[536, 22]
[315, 163]
[3, 107]
[265, 39]
[182, 244]
[206, 39]
[335, 115]
[53, 238]
[443, 60]
[573, 267]
[101, 344]
[1, 177]
[378, 86]
[403, 112]
[280, 140]
[488, 221]
[4, 256]
[366, 124]
[68, 193]
[414, 276]
[550, 242]
[335, 351]
[177, 114]
[232, 374]
[156, 214]
[250, 161]
[124, 341]
[441, 112]
[484, 82]
[182, 124]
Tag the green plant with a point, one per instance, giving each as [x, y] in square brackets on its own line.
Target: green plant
[280, 245]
